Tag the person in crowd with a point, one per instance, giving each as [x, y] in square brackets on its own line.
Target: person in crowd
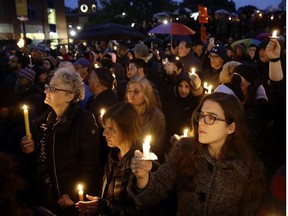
[65, 146]
[136, 68]
[217, 56]
[49, 63]
[255, 103]
[215, 172]
[277, 99]
[187, 57]
[16, 62]
[28, 92]
[197, 47]
[118, 72]
[239, 53]
[178, 110]
[100, 84]
[155, 71]
[122, 130]
[251, 57]
[140, 93]
[226, 73]
[84, 68]
[84, 73]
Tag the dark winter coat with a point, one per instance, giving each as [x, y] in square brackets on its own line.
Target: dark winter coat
[218, 188]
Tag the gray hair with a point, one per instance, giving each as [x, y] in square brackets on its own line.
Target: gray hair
[73, 80]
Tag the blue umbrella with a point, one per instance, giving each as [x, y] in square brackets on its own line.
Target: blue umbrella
[246, 42]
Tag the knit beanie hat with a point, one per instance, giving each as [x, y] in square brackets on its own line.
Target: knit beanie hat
[51, 59]
[248, 72]
[220, 50]
[27, 73]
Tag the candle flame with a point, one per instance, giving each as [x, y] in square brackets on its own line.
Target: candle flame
[148, 139]
[185, 132]
[102, 112]
[80, 187]
[274, 34]
[177, 58]
[25, 107]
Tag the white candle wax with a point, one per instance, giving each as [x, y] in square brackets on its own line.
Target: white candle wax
[30, 60]
[146, 147]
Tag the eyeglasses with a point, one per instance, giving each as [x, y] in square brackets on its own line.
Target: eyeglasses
[208, 119]
[52, 89]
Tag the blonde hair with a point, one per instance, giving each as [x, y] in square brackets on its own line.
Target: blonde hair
[147, 90]
[227, 71]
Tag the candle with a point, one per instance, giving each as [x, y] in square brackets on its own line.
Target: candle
[205, 85]
[80, 192]
[192, 71]
[146, 146]
[166, 61]
[26, 121]
[177, 58]
[96, 65]
[102, 112]
[209, 89]
[185, 132]
[274, 34]
[30, 60]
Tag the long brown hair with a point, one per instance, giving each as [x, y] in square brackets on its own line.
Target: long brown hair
[126, 118]
[237, 145]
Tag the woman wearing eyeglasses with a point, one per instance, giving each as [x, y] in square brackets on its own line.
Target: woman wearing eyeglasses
[215, 172]
[67, 150]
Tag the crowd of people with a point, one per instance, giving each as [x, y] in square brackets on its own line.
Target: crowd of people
[90, 112]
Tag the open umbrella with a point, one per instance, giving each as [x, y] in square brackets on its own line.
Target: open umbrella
[110, 31]
[246, 42]
[172, 29]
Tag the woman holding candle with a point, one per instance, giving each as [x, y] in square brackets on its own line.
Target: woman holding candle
[178, 110]
[68, 146]
[216, 171]
[141, 95]
[122, 130]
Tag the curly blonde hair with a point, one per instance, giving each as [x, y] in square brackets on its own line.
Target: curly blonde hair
[73, 80]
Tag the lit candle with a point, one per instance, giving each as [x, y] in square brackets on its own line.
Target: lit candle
[185, 132]
[30, 60]
[192, 71]
[96, 65]
[274, 34]
[205, 85]
[177, 58]
[209, 89]
[80, 192]
[102, 112]
[146, 146]
[26, 121]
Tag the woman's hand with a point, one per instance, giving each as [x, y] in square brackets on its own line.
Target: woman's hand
[273, 49]
[27, 144]
[65, 201]
[89, 207]
[141, 169]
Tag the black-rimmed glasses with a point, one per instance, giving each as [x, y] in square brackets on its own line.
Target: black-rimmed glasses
[53, 89]
[208, 119]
